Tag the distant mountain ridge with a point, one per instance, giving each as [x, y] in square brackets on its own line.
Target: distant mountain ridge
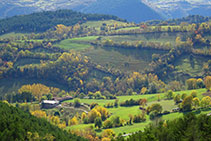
[131, 10]
[180, 8]
[10, 8]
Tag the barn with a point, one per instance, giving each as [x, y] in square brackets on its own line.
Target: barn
[47, 104]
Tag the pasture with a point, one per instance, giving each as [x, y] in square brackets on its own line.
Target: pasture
[77, 44]
[98, 24]
[122, 58]
[124, 112]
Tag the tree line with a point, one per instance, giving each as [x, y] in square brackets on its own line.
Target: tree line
[188, 127]
[42, 21]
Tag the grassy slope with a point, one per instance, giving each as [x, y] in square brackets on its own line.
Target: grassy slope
[77, 44]
[123, 112]
[128, 28]
[149, 97]
[192, 68]
[138, 59]
[98, 24]
[25, 61]
[147, 37]
[12, 35]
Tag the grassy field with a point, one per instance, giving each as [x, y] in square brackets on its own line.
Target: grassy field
[119, 58]
[122, 58]
[148, 37]
[69, 45]
[12, 35]
[98, 24]
[190, 67]
[149, 97]
[136, 126]
[164, 27]
[85, 39]
[124, 112]
[77, 44]
[25, 61]
[127, 28]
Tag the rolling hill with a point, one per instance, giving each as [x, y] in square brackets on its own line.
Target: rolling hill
[42, 21]
[181, 8]
[18, 125]
[133, 10]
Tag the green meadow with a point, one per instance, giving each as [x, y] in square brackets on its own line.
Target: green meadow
[124, 112]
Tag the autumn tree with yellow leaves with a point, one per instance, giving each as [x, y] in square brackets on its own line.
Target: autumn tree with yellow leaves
[37, 90]
[207, 82]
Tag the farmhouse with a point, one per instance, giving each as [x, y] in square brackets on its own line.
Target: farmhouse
[49, 104]
[209, 114]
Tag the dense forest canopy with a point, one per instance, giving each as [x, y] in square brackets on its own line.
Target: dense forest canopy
[189, 19]
[16, 124]
[189, 127]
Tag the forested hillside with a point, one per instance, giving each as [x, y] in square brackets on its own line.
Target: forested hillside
[177, 21]
[189, 127]
[133, 10]
[16, 124]
[42, 21]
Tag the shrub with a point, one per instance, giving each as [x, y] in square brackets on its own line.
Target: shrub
[130, 102]
[152, 115]
[93, 105]
[86, 120]
[107, 124]
[77, 102]
[170, 94]
[98, 122]
[166, 112]
[194, 94]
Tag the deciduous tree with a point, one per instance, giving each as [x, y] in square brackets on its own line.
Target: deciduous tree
[207, 82]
